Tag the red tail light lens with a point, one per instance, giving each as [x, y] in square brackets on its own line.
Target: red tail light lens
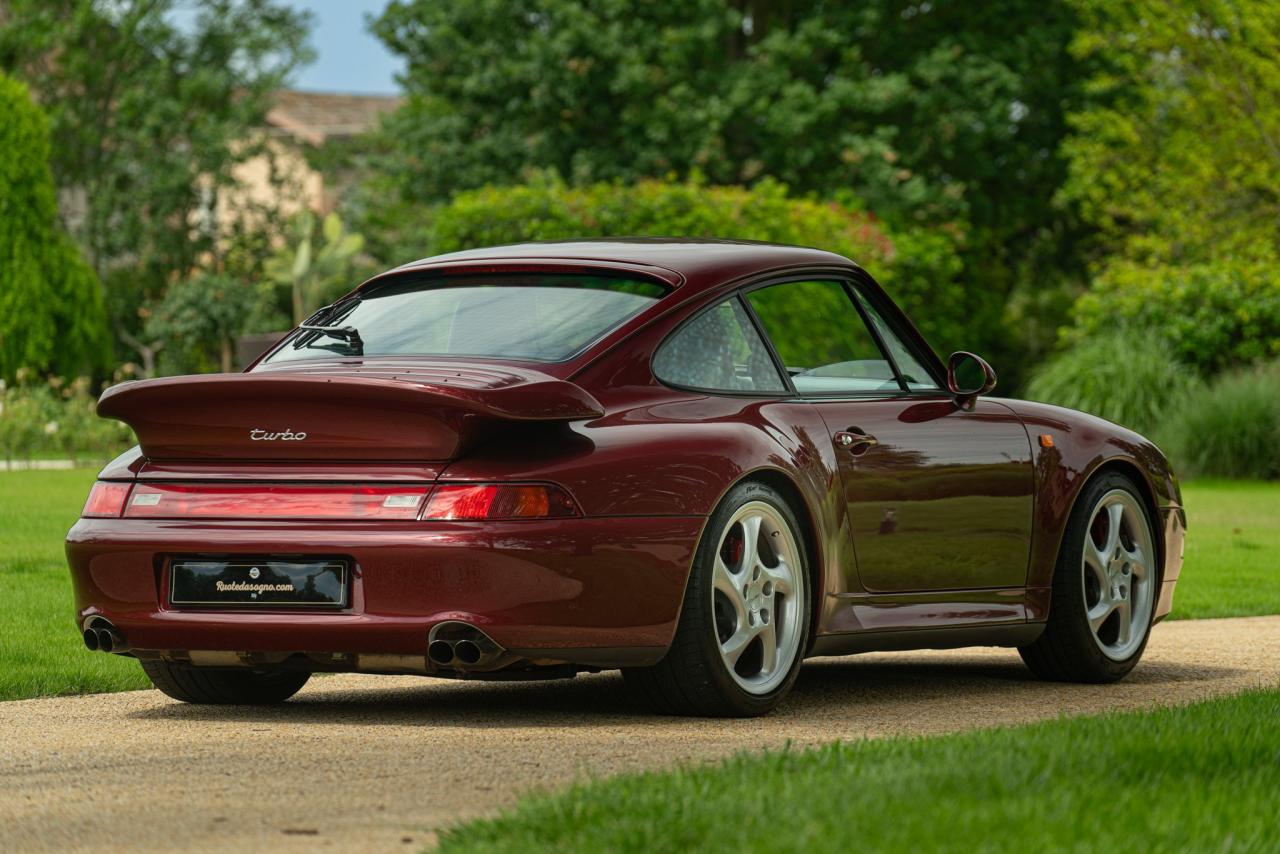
[499, 501]
[267, 501]
[106, 500]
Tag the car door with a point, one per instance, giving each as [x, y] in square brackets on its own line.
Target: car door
[939, 495]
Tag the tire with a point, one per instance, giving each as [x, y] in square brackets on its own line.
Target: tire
[224, 687]
[1104, 571]
[739, 594]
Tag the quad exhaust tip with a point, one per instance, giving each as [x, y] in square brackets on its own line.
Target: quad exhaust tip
[461, 646]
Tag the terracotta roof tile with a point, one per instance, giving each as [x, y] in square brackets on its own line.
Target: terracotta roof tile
[314, 116]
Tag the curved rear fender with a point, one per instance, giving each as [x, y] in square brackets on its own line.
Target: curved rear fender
[674, 456]
[680, 456]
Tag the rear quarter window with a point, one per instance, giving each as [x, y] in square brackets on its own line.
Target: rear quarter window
[719, 350]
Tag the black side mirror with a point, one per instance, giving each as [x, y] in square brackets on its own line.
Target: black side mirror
[969, 376]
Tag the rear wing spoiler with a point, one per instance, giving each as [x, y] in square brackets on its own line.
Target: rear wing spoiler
[426, 414]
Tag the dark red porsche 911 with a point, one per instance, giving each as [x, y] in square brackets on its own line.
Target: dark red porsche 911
[697, 461]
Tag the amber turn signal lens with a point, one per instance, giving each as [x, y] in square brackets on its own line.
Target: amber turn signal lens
[499, 501]
[106, 500]
[1046, 440]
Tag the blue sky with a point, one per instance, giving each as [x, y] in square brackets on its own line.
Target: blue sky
[349, 58]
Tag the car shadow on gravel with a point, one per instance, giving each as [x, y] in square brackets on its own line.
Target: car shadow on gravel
[827, 688]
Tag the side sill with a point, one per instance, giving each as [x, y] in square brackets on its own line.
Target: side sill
[847, 643]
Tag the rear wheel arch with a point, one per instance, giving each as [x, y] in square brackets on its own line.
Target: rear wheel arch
[782, 483]
[691, 677]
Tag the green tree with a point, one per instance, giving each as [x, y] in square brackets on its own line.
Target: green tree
[920, 109]
[1176, 159]
[51, 316]
[152, 104]
[197, 321]
[1211, 317]
[949, 115]
[315, 272]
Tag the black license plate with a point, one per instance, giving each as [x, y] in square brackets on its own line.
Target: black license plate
[274, 582]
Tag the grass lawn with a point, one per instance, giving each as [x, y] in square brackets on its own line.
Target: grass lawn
[40, 648]
[1196, 778]
[1232, 558]
[1233, 549]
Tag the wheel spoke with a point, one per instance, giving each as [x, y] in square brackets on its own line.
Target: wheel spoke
[750, 543]
[1137, 561]
[1115, 516]
[731, 586]
[769, 642]
[1098, 613]
[733, 648]
[780, 575]
[1096, 562]
[1125, 612]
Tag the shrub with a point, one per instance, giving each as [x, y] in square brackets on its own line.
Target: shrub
[199, 318]
[920, 268]
[1127, 377]
[1212, 316]
[51, 314]
[57, 418]
[1232, 429]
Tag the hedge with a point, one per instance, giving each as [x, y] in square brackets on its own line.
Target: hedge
[1210, 316]
[921, 269]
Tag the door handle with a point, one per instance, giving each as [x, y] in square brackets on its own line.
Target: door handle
[856, 441]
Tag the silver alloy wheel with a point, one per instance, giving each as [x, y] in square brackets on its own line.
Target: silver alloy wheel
[1118, 574]
[757, 597]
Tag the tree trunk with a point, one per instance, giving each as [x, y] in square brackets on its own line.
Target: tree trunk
[147, 352]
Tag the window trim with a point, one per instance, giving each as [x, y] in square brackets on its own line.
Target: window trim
[849, 285]
[860, 282]
[906, 341]
[894, 318]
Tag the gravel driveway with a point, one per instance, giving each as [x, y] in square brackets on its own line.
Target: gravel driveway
[366, 762]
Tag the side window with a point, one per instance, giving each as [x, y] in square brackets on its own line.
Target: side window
[913, 373]
[718, 350]
[821, 338]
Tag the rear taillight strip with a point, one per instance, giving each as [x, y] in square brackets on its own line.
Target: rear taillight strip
[445, 502]
[274, 501]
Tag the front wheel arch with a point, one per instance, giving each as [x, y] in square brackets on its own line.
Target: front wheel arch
[1069, 648]
[1131, 471]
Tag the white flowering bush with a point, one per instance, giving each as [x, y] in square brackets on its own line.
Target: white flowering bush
[55, 418]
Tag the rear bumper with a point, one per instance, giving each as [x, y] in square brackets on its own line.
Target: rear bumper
[596, 590]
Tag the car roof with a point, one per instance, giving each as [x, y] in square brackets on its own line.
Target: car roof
[697, 262]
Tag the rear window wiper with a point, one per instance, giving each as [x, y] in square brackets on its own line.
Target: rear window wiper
[349, 334]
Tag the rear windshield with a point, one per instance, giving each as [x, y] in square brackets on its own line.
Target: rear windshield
[535, 317]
